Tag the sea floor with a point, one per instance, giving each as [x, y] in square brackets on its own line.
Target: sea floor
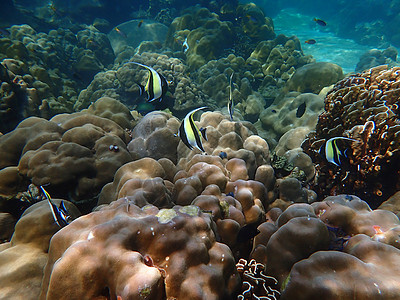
[329, 47]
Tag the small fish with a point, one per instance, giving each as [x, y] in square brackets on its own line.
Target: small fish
[120, 32]
[301, 110]
[246, 233]
[190, 134]
[331, 150]
[231, 194]
[156, 86]
[310, 41]
[273, 111]
[60, 214]
[140, 23]
[230, 102]
[223, 155]
[319, 22]
[185, 46]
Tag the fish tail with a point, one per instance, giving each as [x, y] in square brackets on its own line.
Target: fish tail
[203, 133]
[142, 89]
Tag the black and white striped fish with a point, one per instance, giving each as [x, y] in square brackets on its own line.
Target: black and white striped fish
[332, 151]
[230, 102]
[156, 86]
[60, 214]
[190, 134]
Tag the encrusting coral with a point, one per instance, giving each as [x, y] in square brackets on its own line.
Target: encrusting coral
[140, 253]
[364, 107]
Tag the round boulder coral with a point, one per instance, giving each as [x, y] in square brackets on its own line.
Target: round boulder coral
[128, 252]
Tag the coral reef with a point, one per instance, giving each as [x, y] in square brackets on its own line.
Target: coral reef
[280, 117]
[313, 77]
[56, 65]
[236, 139]
[122, 84]
[149, 253]
[309, 249]
[17, 100]
[206, 36]
[375, 57]
[22, 260]
[76, 154]
[154, 137]
[364, 107]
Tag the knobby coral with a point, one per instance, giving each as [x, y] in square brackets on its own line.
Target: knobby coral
[135, 253]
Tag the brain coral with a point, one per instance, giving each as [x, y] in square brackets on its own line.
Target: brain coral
[135, 253]
[365, 107]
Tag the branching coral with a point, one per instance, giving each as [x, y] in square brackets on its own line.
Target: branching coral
[255, 284]
[364, 107]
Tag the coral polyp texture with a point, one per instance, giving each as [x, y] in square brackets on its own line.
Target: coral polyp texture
[364, 107]
[132, 253]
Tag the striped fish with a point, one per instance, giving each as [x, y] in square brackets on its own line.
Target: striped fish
[332, 151]
[230, 102]
[156, 86]
[190, 134]
[60, 214]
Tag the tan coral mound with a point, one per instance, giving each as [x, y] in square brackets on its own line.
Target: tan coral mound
[366, 270]
[135, 253]
[365, 107]
[23, 259]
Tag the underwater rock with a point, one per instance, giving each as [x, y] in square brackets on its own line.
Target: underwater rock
[363, 107]
[167, 253]
[311, 78]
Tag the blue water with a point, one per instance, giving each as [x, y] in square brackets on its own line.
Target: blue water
[329, 47]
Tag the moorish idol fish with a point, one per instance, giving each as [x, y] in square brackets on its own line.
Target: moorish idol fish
[319, 22]
[331, 150]
[190, 134]
[185, 46]
[60, 214]
[230, 102]
[156, 86]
